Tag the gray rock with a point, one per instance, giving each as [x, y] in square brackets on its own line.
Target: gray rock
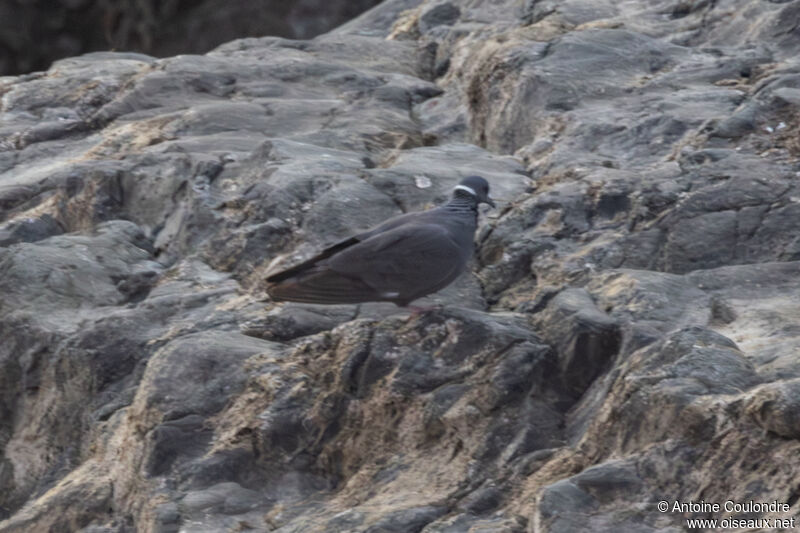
[412, 520]
[443, 13]
[586, 339]
[470, 522]
[628, 330]
[482, 501]
[298, 320]
[564, 498]
[29, 230]
[774, 408]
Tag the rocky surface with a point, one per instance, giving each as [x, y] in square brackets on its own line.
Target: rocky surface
[628, 333]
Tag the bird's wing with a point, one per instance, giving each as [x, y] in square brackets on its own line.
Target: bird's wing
[385, 226]
[407, 260]
[283, 275]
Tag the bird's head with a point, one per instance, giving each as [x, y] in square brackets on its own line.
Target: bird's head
[476, 187]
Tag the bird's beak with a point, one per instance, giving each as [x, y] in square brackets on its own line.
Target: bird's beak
[490, 201]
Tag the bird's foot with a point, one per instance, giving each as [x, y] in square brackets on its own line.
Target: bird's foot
[417, 310]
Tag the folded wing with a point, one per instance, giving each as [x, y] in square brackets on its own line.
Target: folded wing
[399, 265]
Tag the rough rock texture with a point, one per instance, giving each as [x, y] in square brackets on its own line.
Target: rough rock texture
[34, 33]
[628, 333]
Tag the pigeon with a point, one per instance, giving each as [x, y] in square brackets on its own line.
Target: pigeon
[403, 259]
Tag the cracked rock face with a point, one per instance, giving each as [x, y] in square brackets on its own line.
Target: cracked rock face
[627, 332]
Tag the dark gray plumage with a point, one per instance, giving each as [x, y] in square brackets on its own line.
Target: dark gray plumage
[405, 258]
